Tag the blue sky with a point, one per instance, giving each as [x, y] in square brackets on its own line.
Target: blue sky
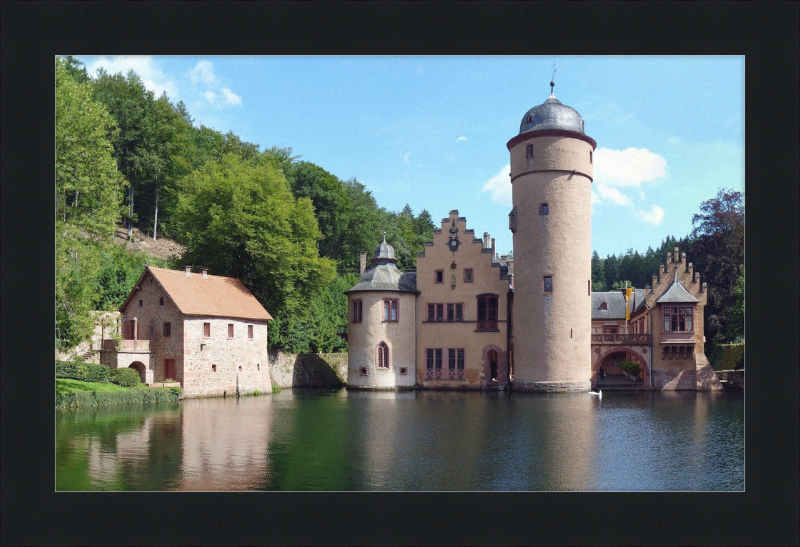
[432, 131]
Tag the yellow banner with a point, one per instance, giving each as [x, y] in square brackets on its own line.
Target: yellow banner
[627, 303]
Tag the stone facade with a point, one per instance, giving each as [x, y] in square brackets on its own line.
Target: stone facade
[551, 176]
[289, 370]
[365, 338]
[207, 354]
[464, 275]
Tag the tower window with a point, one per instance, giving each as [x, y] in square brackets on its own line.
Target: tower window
[548, 283]
[161, 301]
[468, 276]
[230, 330]
[390, 310]
[206, 330]
[140, 303]
[250, 331]
[544, 209]
[529, 151]
[357, 309]
[590, 157]
[438, 276]
[167, 329]
[383, 356]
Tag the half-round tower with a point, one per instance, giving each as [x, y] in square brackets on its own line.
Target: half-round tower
[382, 308]
[551, 177]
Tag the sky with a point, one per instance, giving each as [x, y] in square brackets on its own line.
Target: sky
[431, 131]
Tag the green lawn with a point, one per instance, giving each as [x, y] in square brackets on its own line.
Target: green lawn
[65, 385]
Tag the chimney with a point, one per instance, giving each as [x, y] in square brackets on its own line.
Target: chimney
[676, 255]
[696, 278]
[362, 263]
[485, 240]
[655, 280]
[662, 268]
[188, 270]
[690, 268]
[494, 256]
[669, 257]
[205, 272]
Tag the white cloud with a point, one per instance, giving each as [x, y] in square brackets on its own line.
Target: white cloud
[610, 193]
[629, 167]
[654, 216]
[231, 98]
[459, 139]
[674, 140]
[404, 157]
[500, 186]
[145, 66]
[203, 72]
[210, 96]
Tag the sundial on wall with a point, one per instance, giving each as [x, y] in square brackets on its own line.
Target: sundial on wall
[453, 242]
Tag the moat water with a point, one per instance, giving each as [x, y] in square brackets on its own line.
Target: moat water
[339, 440]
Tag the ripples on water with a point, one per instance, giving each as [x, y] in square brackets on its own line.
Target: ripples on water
[425, 440]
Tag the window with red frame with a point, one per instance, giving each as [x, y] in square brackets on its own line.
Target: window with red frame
[206, 330]
[487, 312]
[391, 310]
[678, 318]
[383, 356]
[357, 310]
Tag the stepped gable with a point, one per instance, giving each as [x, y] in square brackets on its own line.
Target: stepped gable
[210, 295]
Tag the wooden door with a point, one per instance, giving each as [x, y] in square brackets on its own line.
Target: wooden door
[169, 369]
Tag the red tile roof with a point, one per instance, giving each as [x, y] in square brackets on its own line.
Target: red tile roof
[214, 295]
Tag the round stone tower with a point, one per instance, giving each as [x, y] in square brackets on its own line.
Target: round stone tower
[381, 335]
[551, 177]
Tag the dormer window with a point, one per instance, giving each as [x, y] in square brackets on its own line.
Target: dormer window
[530, 118]
[604, 306]
[529, 151]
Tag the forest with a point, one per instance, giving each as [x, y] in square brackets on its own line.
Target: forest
[289, 229]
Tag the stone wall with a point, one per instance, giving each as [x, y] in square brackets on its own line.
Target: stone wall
[290, 370]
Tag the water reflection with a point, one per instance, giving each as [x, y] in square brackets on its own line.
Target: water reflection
[334, 440]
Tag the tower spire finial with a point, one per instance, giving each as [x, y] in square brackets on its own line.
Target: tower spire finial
[553, 80]
[384, 237]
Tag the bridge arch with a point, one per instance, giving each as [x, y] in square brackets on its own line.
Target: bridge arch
[644, 357]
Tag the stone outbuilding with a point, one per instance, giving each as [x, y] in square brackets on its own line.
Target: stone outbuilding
[207, 332]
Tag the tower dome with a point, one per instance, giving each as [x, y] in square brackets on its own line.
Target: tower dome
[383, 253]
[552, 115]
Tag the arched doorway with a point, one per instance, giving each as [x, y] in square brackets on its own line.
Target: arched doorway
[493, 372]
[611, 359]
[140, 368]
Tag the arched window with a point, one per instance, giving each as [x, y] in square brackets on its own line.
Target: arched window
[487, 312]
[383, 356]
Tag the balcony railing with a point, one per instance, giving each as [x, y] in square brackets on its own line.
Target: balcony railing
[127, 346]
[487, 325]
[445, 374]
[620, 338]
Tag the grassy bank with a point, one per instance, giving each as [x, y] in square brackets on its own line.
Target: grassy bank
[76, 394]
